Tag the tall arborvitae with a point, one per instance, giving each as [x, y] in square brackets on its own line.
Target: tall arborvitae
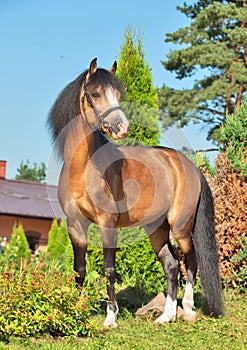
[18, 244]
[140, 100]
[59, 248]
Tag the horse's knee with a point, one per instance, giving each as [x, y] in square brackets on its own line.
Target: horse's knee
[80, 275]
[110, 274]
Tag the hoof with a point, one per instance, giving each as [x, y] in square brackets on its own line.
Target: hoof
[165, 319]
[190, 316]
[110, 321]
[110, 324]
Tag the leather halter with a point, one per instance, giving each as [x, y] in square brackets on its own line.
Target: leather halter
[100, 117]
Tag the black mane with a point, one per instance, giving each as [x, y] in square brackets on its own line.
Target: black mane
[67, 105]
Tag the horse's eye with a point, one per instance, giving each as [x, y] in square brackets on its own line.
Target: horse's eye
[95, 95]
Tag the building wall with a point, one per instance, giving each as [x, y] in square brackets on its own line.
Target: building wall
[33, 227]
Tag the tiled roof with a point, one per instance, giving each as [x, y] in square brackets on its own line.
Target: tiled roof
[32, 199]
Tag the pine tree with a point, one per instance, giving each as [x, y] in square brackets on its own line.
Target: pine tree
[214, 44]
[35, 173]
[140, 99]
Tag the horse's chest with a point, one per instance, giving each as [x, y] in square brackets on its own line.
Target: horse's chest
[94, 197]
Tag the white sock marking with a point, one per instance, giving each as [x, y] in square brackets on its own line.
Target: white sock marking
[110, 320]
[188, 302]
[170, 311]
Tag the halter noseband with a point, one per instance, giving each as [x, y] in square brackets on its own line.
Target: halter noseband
[100, 117]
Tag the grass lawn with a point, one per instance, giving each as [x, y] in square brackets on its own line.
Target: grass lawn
[140, 333]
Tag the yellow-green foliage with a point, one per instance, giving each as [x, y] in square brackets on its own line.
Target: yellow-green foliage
[136, 261]
[18, 247]
[59, 246]
[37, 299]
[140, 98]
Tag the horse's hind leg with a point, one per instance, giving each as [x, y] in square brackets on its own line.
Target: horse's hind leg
[109, 238]
[187, 248]
[170, 263]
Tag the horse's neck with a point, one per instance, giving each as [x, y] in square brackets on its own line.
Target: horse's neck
[84, 146]
[79, 144]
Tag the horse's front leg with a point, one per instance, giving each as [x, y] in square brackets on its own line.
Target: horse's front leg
[78, 237]
[109, 238]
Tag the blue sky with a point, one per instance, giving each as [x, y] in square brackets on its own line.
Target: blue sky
[45, 44]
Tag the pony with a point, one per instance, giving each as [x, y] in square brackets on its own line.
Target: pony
[117, 186]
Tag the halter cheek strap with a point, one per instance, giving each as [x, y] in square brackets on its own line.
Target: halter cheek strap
[99, 117]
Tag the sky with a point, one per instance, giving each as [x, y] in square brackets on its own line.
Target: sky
[45, 44]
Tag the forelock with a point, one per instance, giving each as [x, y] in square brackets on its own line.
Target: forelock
[105, 79]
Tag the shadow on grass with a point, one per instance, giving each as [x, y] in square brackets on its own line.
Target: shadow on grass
[133, 298]
[137, 296]
[4, 339]
[130, 298]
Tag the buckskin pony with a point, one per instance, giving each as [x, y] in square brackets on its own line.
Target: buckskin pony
[119, 186]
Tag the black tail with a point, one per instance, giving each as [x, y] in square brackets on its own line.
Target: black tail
[206, 250]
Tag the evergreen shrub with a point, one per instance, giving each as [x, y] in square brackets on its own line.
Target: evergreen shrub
[229, 188]
[18, 247]
[136, 262]
[59, 247]
[234, 137]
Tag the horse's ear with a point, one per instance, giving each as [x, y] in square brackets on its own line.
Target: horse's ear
[113, 67]
[92, 68]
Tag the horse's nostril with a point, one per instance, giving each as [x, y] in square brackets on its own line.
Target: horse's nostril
[123, 129]
[106, 124]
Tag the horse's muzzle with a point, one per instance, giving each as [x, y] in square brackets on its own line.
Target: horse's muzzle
[123, 131]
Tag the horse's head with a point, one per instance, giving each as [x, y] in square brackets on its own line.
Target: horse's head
[100, 94]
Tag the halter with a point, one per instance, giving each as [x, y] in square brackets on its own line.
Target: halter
[100, 117]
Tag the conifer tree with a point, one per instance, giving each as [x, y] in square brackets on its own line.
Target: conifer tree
[59, 246]
[28, 172]
[234, 138]
[215, 45]
[140, 99]
[67, 254]
[18, 244]
[53, 237]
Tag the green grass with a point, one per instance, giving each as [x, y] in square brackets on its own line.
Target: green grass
[228, 332]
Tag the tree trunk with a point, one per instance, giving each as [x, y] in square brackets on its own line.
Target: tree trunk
[239, 95]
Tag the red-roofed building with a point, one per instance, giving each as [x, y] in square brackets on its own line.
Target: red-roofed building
[32, 204]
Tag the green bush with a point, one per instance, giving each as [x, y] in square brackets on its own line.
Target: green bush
[203, 162]
[136, 262]
[234, 138]
[37, 299]
[239, 266]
